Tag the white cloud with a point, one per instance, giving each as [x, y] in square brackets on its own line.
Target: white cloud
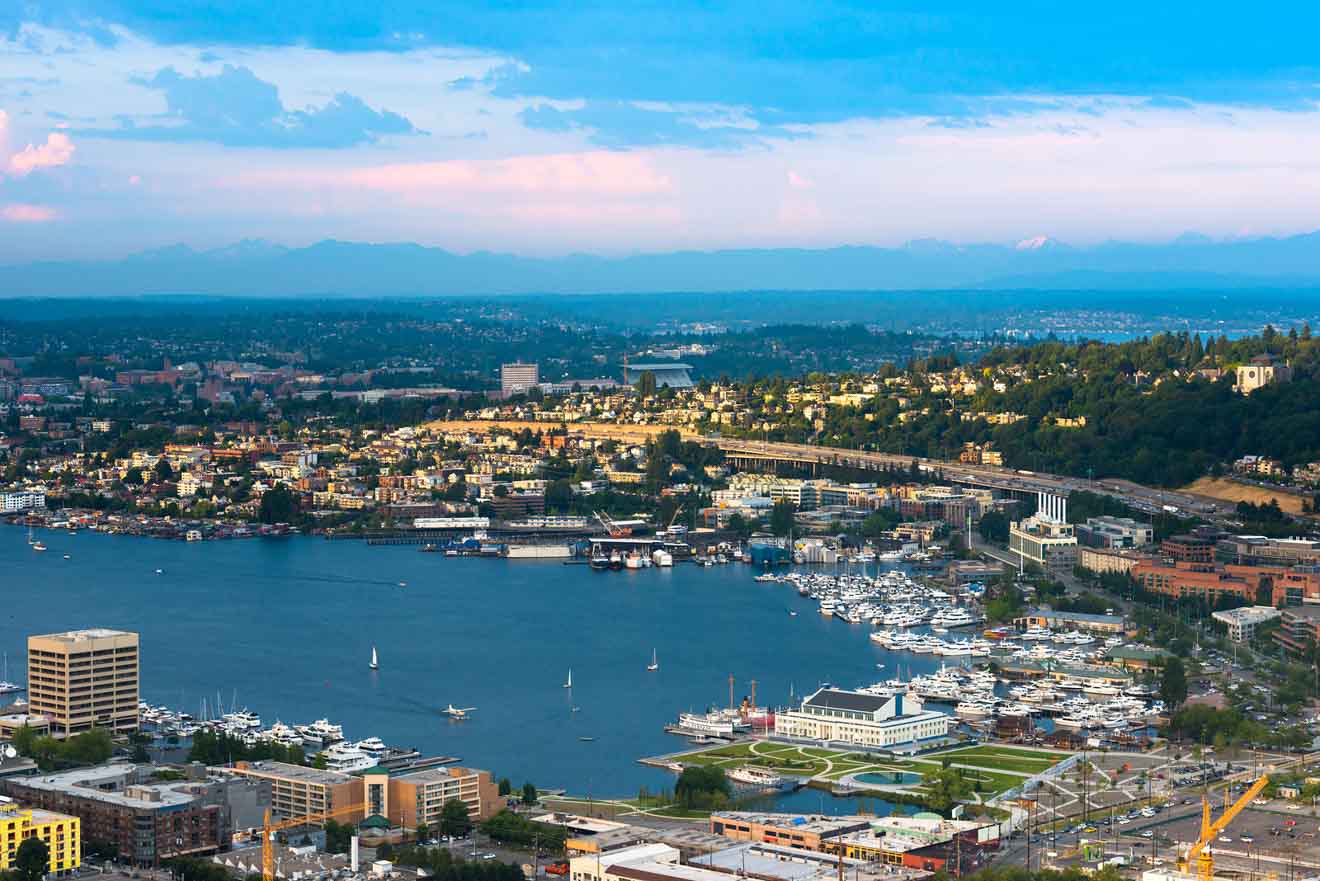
[57, 151]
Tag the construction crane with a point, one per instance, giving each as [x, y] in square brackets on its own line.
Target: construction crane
[268, 830]
[1200, 853]
[614, 529]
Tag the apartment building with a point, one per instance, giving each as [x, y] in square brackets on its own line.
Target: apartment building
[297, 791]
[83, 679]
[147, 822]
[407, 799]
[419, 797]
[60, 832]
[1188, 549]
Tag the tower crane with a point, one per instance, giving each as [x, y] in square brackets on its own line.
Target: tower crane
[1200, 853]
[268, 830]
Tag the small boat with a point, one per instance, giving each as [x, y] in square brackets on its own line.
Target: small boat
[568, 683]
[655, 663]
[586, 739]
[374, 664]
[38, 546]
[792, 613]
[160, 571]
[403, 584]
[68, 556]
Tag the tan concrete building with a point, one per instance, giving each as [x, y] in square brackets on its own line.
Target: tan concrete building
[83, 679]
[412, 799]
[407, 799]
[296, 790]
[1106, 560]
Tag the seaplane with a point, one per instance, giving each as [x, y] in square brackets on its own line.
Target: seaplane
[459, 713]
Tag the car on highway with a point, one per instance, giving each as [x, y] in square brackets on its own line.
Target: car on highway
[1248, 838]
[1147, 834]
[1224, 839]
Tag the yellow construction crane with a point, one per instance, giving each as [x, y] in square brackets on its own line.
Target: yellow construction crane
[268, 830]
[1200, 853]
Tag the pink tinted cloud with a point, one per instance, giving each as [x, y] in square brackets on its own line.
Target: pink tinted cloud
[57, 151]
[20, 212]
[601, 174]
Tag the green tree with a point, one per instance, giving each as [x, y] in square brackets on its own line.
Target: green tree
[529, 794]
[993, 527]
[454, 818]
[738, 525]
[506, 787]
[32, 860]
[164, 471]
[944, 788]
[423, 831]
[1173, 683]
[278, 506]
[781, 517]
[559, 494]
[338, 836]
[646, 384]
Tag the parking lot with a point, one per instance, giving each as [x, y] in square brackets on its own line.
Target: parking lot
[1254, 836]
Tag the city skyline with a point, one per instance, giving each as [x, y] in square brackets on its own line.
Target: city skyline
[571, 128]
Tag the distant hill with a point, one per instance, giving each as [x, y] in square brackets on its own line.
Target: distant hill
[260, 268]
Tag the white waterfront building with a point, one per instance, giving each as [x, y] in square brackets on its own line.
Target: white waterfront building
[859, 719]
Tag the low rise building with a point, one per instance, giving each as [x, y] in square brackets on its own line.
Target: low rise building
[1299, 630]
[1104, 561]
[1188, 549]
[145, 821]
[1114, 532]
[1087, 621]
[857, 719]
[802, 831]
[61, 833]
[1243, 621]
[1043, 540]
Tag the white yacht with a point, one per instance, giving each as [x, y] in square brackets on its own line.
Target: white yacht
[749, 775]
[710, 724]
[347, 758]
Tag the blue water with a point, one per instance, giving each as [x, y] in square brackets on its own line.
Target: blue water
[287, 625]
[890, 778]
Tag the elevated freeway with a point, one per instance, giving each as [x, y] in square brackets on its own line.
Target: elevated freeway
[751, 454]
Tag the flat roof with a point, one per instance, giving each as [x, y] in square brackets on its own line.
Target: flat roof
[301, 773]
[813, 823]
[83, 635]
[757, 860]
[651, 870]
[1247, 613]
[86, 783]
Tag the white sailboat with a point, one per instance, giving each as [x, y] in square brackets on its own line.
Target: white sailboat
[655, 663]
[569, 682]
[374, 664]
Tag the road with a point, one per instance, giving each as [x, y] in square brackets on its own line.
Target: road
[1151, 500]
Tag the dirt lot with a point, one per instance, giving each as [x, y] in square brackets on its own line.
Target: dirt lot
[1232, 491]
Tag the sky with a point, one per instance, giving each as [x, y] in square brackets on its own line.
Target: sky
[554, 127]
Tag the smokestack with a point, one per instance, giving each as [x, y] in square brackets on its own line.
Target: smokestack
[353, 854]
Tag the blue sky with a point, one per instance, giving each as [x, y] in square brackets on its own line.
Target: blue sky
[554, 127]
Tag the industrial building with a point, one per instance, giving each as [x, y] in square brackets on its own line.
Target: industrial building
[857, 719]
[83, 679]
[671, 375]
[1047, 538]
[1114, 532]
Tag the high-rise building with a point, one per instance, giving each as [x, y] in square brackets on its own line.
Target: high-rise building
[518, 377]
[83, 679]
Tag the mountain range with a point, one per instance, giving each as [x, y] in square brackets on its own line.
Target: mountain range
[336, 268]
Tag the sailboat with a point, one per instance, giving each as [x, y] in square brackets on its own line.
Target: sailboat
[655, 663]
[374, 665]
[569, 682]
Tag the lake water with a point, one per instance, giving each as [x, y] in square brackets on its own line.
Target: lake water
[288, 624]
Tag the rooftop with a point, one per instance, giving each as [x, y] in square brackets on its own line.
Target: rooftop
[75, 636]
[817, 824]
[1247, 614]
[837, 699]
[301, 773]
[765, 861]
[113, 784]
